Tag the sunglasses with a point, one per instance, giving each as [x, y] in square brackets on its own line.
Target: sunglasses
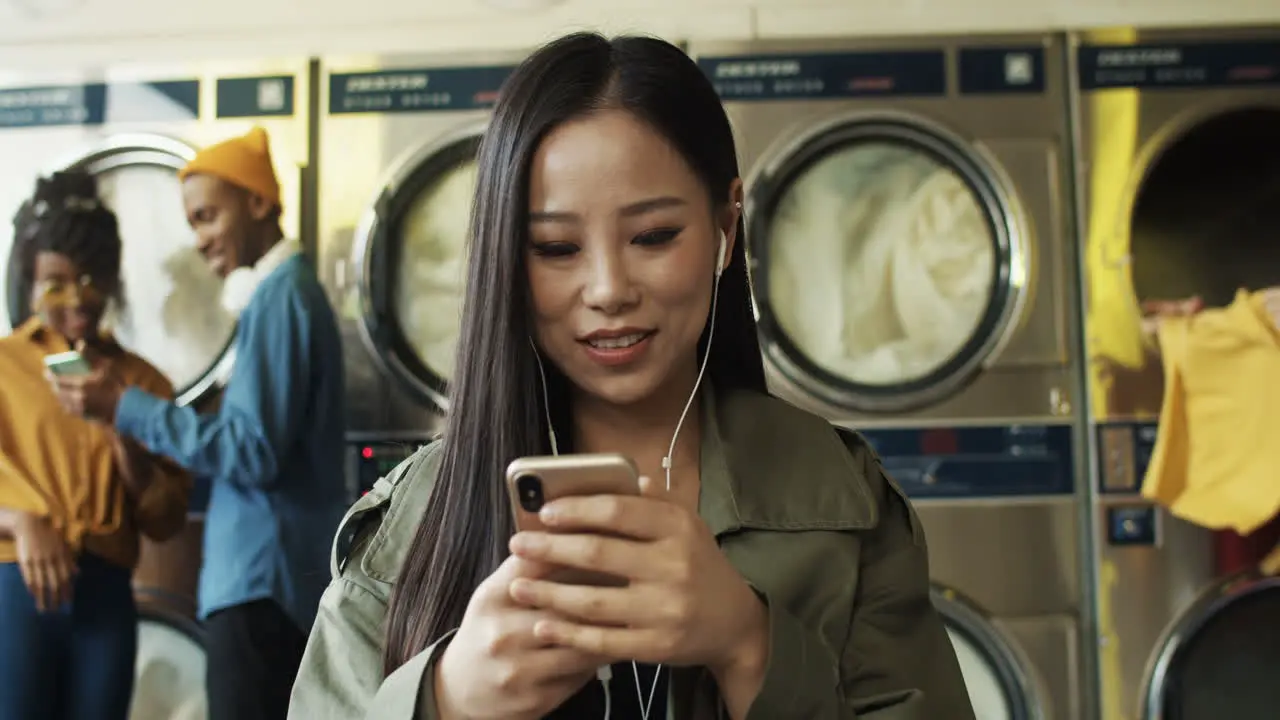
[57, 294]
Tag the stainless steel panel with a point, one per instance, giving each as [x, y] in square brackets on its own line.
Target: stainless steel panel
[1141, 591]
[1052, 645]
[1013, 558]
[1018, 560]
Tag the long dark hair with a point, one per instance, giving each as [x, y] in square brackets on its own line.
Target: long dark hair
[495, 399]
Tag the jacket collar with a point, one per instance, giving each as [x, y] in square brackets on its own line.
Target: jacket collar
[767, 465]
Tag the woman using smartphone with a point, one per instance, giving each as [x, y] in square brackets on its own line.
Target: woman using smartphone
[75, 497]
[772, 570]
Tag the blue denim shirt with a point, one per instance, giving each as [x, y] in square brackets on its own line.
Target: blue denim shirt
[273, 452]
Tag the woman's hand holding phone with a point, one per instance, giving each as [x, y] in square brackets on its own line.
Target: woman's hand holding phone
[495, 667]
[684, 604]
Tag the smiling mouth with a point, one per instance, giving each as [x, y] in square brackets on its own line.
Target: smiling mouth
[617, 343]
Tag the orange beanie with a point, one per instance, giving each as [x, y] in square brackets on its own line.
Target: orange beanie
[243, 161]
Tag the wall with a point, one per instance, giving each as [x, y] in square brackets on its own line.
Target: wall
[76, 32]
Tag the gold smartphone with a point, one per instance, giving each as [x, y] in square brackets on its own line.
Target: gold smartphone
[535, 481]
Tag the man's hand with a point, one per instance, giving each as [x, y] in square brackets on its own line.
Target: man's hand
[93, 396]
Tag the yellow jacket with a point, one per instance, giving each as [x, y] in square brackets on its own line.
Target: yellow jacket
[62, 467]
[1216, 462]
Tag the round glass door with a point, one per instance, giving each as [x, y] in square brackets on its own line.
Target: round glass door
[169, 683]
[995, 674]
[1205, 215]
[417, 260]
[172, 314]
[882, 262]
[431, 274]
[981, 678]
[1220, 659]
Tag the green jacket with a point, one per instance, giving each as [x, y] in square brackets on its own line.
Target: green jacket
[805, 513]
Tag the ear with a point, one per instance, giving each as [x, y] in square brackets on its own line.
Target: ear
[259, 208]
[730, 217]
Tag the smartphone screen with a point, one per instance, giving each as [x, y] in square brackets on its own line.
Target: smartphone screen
[67, 363]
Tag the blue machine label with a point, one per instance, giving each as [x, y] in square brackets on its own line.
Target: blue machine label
[988, 71]
[242, 97]
[827, 75]
[416, 90]
[56, 105]
[978, 462]
[1189, 65]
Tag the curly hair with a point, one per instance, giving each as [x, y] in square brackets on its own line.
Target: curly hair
[66, 216]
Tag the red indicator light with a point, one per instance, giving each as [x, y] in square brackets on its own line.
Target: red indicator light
[367, 453]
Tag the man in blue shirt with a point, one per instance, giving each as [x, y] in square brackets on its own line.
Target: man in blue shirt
[273, 450]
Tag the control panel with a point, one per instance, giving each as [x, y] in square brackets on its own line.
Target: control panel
[978, 462]
[370, 457]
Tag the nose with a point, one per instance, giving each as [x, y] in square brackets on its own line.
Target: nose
[204, 243]
[608, 286]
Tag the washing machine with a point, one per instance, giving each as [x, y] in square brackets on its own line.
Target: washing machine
[908, 240]
[134, 127]
[397, 144]
[1178, 177]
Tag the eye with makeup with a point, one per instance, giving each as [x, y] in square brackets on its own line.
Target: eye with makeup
[655, 238]
[649, 238]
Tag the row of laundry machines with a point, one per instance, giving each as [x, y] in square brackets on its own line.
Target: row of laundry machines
[949, 241]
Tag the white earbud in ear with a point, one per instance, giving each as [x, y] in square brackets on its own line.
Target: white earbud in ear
[721, 260]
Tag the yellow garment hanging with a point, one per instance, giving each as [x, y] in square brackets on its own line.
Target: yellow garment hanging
[1216, 462]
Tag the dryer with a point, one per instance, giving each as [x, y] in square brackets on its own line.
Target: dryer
[928, 176]
[1178, 176]
[398, 137]
[908, 239]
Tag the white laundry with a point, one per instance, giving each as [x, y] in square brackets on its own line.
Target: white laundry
[881, 263]
[171, 314]
[432, 271]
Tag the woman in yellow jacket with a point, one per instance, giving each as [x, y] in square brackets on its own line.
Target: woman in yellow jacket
[74, 496]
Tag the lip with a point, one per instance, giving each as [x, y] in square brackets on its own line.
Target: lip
[606, 334]
[615, 357]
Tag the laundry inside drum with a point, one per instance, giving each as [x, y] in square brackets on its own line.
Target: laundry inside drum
[431, 272]
[986, 692]
[881, 263]
[172, 315]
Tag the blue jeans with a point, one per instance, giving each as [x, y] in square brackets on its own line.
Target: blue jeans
[73, 663]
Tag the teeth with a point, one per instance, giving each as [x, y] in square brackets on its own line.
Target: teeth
[617, 343]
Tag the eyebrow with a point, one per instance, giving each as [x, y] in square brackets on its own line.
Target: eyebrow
[632, 210]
